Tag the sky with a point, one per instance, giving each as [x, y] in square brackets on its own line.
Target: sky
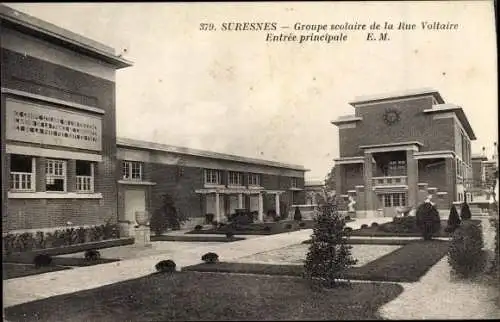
[233, 92]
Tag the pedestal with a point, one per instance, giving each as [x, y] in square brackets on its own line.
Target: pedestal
[142, 236]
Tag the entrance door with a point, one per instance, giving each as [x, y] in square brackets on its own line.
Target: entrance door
[135, 200]
[390, 201]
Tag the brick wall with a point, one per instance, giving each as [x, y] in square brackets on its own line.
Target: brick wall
[414, 125]
[28, 74]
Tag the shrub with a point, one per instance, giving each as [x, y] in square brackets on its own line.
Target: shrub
[495, 267]
[221, 225]
[329, 254]
[348, 230]
[266, 228]
[198, 227]
[288, 226]
[42, 260]
[167, 216]
[302, 224]
[402, 224]
[92, 255]
[348, 218]
[465, 212]
[465, 251]
[210, 258]
[229, 234]
[428, 221]
[363, 226]
[374, 224]
[453, 220]
[297, 216]
[165, 266]
[209, 218]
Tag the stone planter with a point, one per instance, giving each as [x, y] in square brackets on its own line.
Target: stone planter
[142, 218]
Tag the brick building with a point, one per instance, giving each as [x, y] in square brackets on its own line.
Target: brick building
[202, 182]
[397, 149]
[58, 125]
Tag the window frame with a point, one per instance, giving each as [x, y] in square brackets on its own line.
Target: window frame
[232, 175]
[254, 179]
[128, 170]
[294, 182]
[91, 179]
[32, 175]
[64, 175]
[211, 174]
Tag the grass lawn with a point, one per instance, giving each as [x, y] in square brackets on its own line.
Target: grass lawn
[365, 241]
[188, 296]
[379, 231]
[266, 228]
[406, 264]
[195, 238]
[11, 270]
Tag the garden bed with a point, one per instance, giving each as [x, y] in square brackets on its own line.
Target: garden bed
[406, 264]
[258, 228]
[196, 238]
[188, 296]
[391, 229]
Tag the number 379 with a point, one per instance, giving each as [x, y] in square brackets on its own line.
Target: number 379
[207, 26]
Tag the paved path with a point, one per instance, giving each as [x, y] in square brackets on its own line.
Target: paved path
[30, 288]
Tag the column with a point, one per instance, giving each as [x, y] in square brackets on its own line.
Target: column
[412, 178]
[277, 199]
[217, 207]
[240, 201]
[367, 173]
[261, 208]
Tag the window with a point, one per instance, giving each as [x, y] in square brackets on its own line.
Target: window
[235, 178]
[84, 176]
[55, 175]
[22, 173]
[294, 183]
[394, 199]
[213, 176]
[396, 167]
[132, 170]
[254, 179]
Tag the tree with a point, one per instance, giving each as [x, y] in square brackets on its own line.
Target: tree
[453, 219]
[329, 255]
[465, 212]
[330, 183]
[428, 220]
[297, 216]
[166, 216]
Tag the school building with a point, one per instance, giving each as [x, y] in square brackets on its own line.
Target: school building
[63, 165]
[397, 149]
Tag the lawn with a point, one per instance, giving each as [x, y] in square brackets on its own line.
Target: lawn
[265, 228]
[181, 238]
[406, 264]
[188, 296]
[391, 229]
[370, 241]
[21, 267]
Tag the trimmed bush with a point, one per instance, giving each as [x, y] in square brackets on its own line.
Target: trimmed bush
[229, 234]
[210, 258]
[465, 212]
[374, 224]
[266, 228]
[347, 218]
[209, 218]
[329, 255]
[198, 227]
[297, 216]
[428, 221]
[302, 224]
[363, 226]
[42, 260]
[221, 225]
[453, 220]
[348, 229]
[165, 266]
[92, 255]
[288, 226]
[465, 251]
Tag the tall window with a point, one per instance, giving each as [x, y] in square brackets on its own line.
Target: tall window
[294, 183]
[235, 178]
[253, 179]
[396, 167]
[213, 176]
[84, 176]
[55, 175]
[22, 173]
[132, 170]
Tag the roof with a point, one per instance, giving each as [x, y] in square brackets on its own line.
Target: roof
[41, 29]
[397, 95]
[481, 157]
[146, 145]
[459, 112]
